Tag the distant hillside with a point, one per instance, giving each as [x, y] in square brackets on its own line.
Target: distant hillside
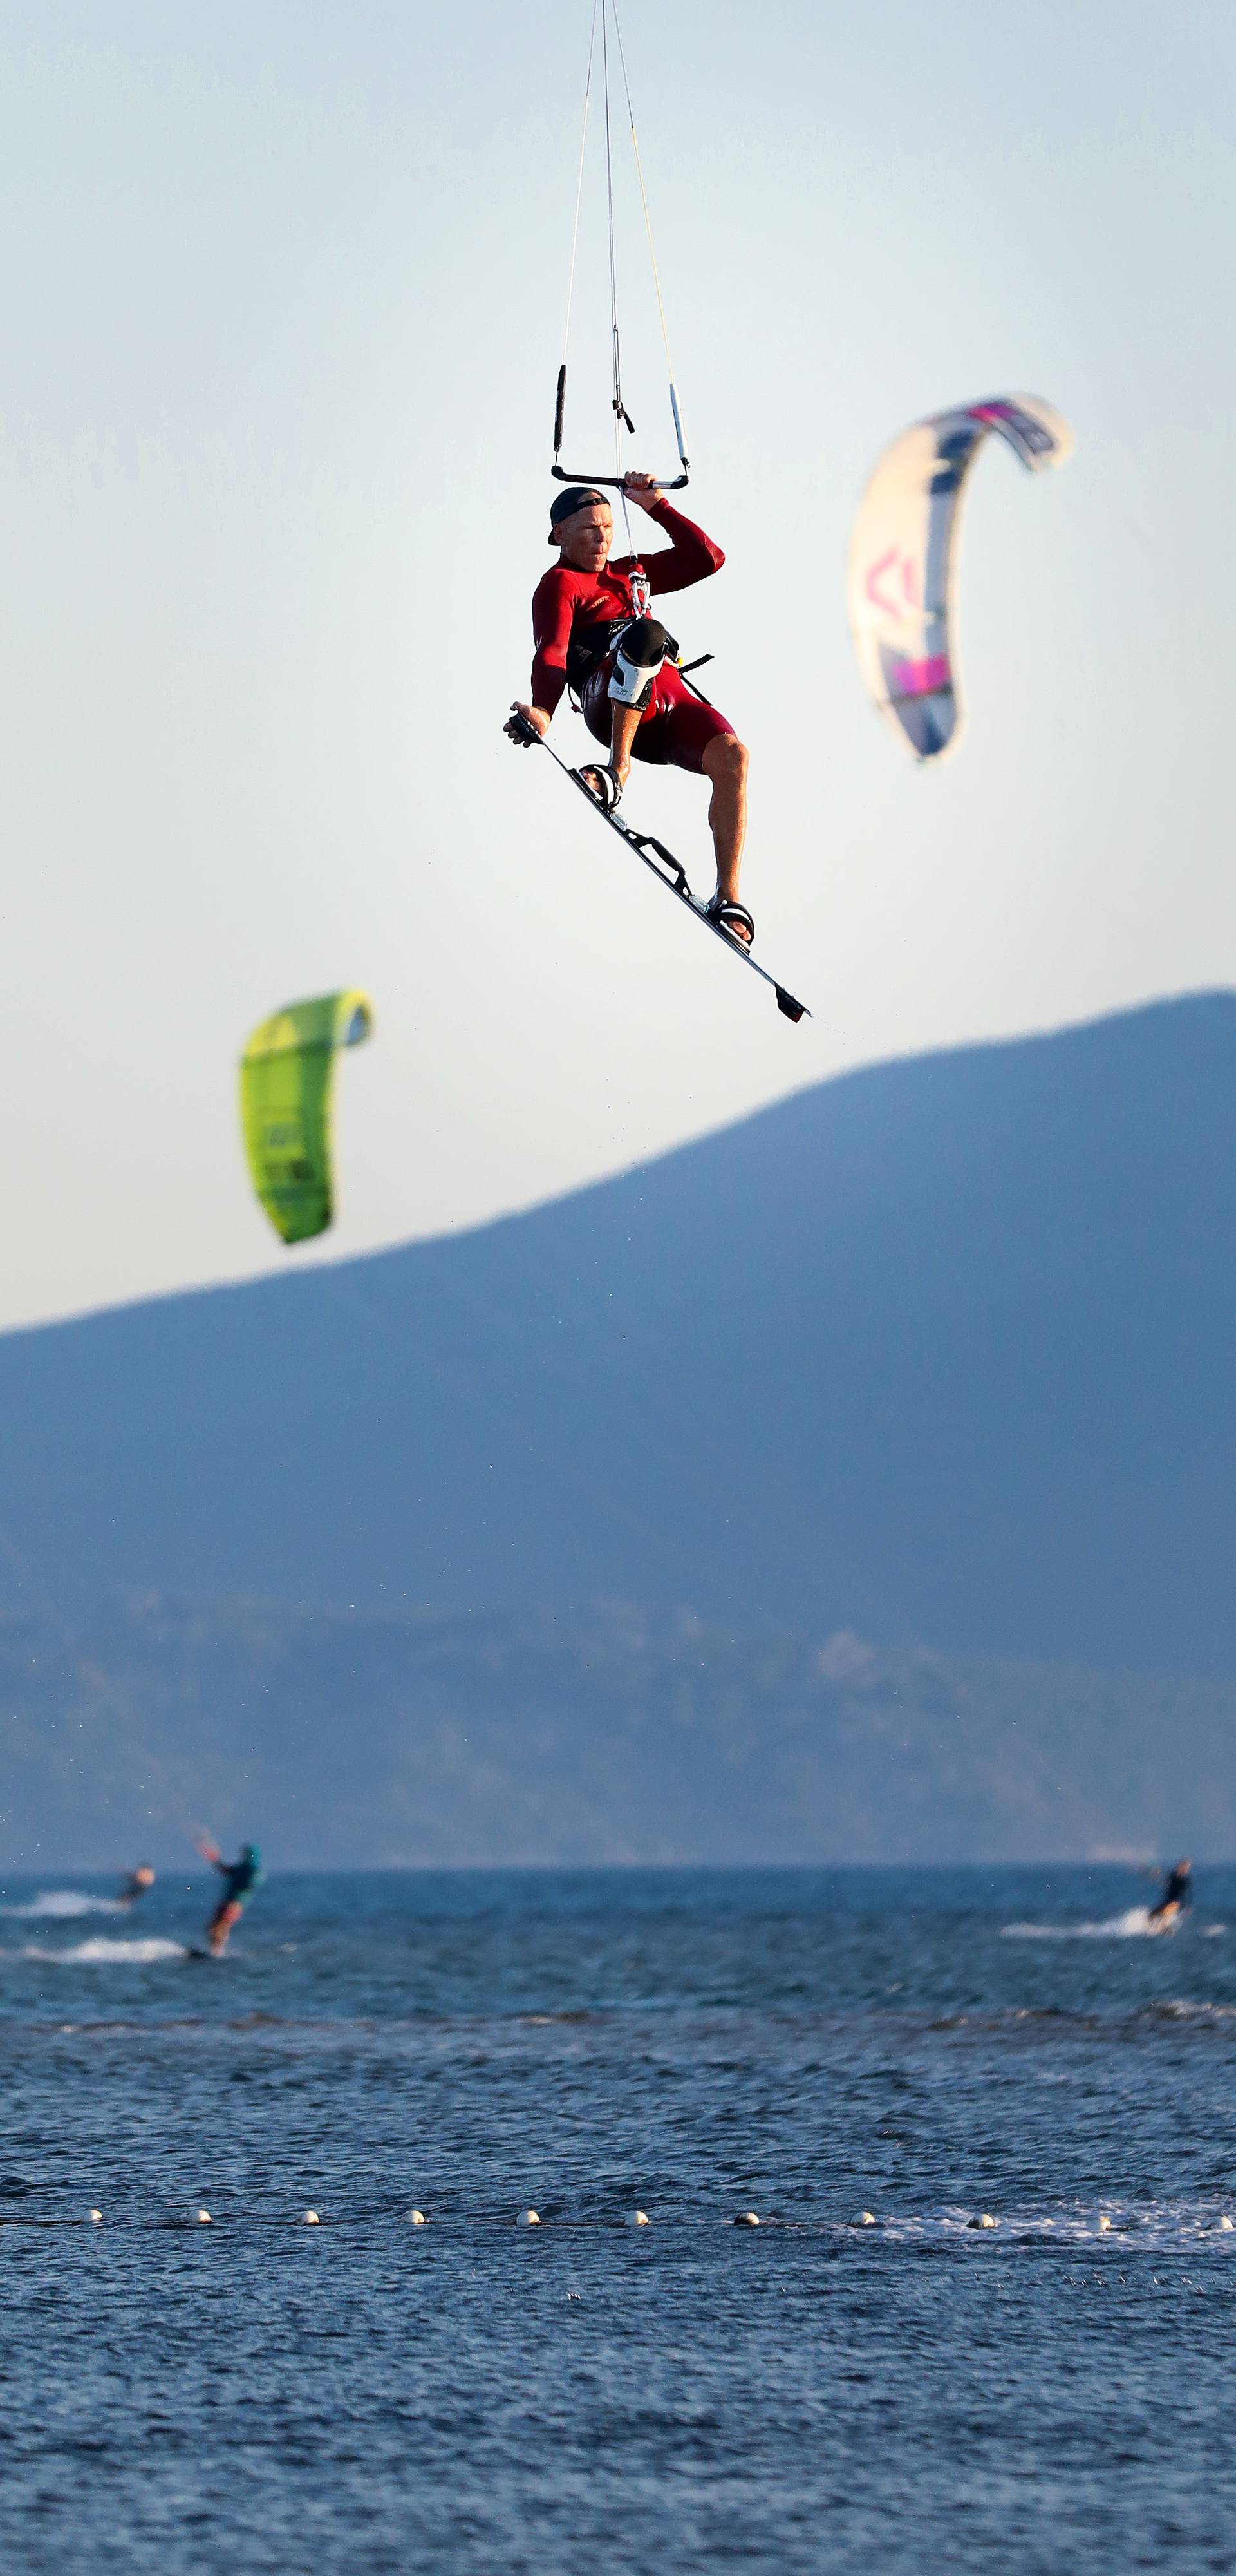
[615, 1734]
[939, 1350]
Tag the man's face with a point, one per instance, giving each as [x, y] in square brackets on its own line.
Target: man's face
[585, 539]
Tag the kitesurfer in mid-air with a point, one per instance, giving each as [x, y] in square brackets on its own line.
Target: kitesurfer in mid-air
[1177, 1895]
[240, 1877]
[138, 1883]
[593, 634]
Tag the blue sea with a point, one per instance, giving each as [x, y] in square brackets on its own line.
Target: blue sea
[871, 2062]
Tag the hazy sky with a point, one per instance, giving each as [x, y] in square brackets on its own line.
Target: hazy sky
[282, 306]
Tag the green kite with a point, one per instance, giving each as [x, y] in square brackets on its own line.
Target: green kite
[286, 1073]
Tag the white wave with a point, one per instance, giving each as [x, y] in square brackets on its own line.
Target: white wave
[1134, 1925]
[102, 1953]
[64, 1902]
[1125, 2228]
[1173, 2008]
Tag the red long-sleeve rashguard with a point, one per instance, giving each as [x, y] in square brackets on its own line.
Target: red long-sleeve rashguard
[566, 595]
[675, 725]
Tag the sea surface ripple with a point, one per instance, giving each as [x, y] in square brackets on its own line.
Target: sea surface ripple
[874, 2062]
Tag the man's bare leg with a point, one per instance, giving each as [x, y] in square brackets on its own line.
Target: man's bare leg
[222, 1924]
[622, 735]
[625, 722]
[725, 764]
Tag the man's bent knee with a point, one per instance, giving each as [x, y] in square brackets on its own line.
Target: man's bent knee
[727, 757]
[640, 656]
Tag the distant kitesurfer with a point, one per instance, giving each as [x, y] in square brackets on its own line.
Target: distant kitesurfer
[138, 1883]
[593, 634]
[1177, 1894]
[240, 1877]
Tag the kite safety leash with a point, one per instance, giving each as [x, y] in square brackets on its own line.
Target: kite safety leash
[605, 15]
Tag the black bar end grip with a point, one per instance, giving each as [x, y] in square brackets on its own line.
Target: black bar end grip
[523, 731]
[611, 482]
[604, 482]
[559, 407]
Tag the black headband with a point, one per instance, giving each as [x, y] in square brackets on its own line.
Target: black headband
[576, 497]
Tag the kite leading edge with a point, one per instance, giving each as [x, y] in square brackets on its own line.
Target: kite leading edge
[902, 576]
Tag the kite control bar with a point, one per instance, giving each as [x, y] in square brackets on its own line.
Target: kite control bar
[668, 870]
[614, 482]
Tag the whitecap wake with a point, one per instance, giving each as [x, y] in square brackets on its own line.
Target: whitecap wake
[102, 1953]
[61, 1903]
[1134, 1925]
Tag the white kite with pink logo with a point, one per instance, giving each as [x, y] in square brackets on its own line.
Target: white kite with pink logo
[903, 553]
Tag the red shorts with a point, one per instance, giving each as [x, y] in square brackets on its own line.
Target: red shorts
[675, 727]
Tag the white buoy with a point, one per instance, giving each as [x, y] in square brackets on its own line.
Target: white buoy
[417, 2218]
[747, 2218]
[528, 2218]
[865, 2218]
[311, 2218]
[984, 2220]
[639, 2218]
[95, 2217]
[1227, 2224]
[203, 2217]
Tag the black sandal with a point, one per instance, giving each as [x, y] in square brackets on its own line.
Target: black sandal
[608, 789]
[732, 918]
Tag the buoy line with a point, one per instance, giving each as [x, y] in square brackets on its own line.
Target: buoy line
[1069, 2227]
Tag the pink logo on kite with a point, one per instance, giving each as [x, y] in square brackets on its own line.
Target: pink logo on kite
[919, 679]
[909, 584]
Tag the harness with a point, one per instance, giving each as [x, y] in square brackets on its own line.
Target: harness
[590, 646]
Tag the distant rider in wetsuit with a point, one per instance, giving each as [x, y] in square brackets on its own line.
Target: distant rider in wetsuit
[240, 1877]
[1177, 1894]
[138, 1883]
[592, 633]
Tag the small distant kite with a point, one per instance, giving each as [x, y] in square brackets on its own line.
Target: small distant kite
[286, 1075]
[902, 556]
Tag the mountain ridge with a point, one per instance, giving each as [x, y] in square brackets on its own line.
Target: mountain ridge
[617, 1734]
[938, 1349]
